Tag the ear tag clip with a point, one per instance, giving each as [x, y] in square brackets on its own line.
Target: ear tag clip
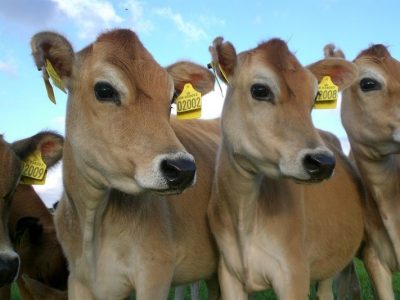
[57, 81]
[34, 169]
[211, 65]
[327, 94]
[188, 103]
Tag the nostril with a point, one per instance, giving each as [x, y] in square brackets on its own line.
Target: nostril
[319, 165]
[169, 169]
[179, 173]
[311, 164]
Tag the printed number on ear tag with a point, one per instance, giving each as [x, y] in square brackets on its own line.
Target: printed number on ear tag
[34, 169]
[327, 94]
[188, 103]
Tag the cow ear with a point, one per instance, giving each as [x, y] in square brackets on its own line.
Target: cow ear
[28, 230]
[223, 58]
[49, 144]
[55, 48]
[330, 50]
[342, 72]
[187, 72]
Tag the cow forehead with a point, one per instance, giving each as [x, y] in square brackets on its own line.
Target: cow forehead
[378, 59]
[125, 56]
[274, 59]
[123, 43]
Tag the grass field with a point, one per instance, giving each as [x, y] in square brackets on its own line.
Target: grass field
[269, 295]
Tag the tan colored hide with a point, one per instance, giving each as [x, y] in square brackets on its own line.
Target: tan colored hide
[271, 230]
[371, 116]
[49, 146]
[119, 222]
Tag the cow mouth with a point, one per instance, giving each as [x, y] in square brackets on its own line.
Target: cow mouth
[166, 192]
[308, 181]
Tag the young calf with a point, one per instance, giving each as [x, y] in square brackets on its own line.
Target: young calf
[371, 116]
[50, 146]
[270, 230]
[117, 225]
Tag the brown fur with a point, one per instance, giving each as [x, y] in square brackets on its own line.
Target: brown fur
[49, 144]
[118, 227]
[375, 51]
[41, 256]
[372, 123]
[40, 291]
[272, 232]
[331, 51]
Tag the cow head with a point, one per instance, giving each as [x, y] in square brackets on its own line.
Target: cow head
[50, 146]
[266, 119]
[118, 133]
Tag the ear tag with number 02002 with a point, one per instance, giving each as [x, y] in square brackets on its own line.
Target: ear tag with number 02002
[188, 103]
[327, 94]
[34, 169]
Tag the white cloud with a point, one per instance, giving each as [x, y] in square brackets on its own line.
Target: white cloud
[8, 67]
[134, 9]
[211, 21]
[91, 16]
[192, 31]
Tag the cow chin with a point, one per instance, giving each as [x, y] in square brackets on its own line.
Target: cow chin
[307, 181]
[127, 185]
[168, 192]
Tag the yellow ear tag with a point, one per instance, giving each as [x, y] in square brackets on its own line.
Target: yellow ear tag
[49, 89]
[34, 169]
[327, 94]
[188, 103]
[57, 81]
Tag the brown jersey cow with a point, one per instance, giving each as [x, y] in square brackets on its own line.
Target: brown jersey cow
[118, 223]
[50, 147]
[270, 230]
[371, 117]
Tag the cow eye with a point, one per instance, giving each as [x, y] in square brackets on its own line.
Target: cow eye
[369, 84]
[262, 92]
[104, 92]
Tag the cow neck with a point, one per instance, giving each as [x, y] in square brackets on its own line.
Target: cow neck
[88, 201]
[381, 177]
[241, 190]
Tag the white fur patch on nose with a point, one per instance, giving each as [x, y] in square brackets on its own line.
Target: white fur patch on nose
[293, 165]
[152, 177]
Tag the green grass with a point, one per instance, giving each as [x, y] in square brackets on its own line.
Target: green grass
[269, 295]
[15, 293]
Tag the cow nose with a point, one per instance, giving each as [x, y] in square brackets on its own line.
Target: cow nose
[8, 269]
[179, 173]
[319, 165]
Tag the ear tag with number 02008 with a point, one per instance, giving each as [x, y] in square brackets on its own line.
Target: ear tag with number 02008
[188, 103]
[57, 81]
[34, 169]
[327, 94]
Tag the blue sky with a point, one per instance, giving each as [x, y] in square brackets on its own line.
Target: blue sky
[177, 29]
